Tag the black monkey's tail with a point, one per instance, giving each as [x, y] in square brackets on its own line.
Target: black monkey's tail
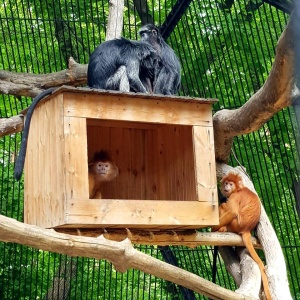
[19, 165]
[214, 264]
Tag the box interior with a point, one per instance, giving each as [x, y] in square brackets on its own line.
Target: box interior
[155, 161]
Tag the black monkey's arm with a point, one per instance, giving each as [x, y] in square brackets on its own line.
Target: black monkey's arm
[133, 70]
[19, 166]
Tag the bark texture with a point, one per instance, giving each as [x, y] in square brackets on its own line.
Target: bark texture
[115, 19]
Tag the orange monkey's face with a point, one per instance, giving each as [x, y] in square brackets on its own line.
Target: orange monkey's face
[106, 169]
[228, 188]
[103, 167]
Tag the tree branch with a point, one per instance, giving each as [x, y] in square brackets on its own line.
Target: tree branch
[115, 19]
[121, 254]
[30, 85]
[11, 125]
[274, 95]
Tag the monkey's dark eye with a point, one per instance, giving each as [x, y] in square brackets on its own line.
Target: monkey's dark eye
[106, 165]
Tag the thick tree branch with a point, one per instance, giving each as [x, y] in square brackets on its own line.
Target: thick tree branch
[11, 125]
[115, 19]
[26, 84]
[121, 254]
[189, 238]
[274, 95]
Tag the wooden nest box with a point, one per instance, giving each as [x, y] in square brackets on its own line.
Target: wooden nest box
[163, 147]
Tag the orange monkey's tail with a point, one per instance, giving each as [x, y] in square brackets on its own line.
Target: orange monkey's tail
[246, 236]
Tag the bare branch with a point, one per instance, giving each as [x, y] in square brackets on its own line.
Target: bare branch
[26, 84]
[190, 238]
[11, 125]
[274, 95]
[121, 254]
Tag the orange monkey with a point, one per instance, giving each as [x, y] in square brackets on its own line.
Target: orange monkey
[101, 169]
[240, 214]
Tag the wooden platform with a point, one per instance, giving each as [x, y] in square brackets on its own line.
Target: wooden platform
[163, 147]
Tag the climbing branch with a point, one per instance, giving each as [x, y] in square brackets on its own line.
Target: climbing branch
[121, 254]
[11, 125]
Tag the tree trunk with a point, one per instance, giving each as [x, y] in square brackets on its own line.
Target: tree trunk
[115, 19]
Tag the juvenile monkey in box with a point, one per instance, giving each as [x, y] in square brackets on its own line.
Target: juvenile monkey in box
[240, 214]
[101, 169]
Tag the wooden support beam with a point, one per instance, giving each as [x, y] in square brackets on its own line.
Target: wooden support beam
[190, 238]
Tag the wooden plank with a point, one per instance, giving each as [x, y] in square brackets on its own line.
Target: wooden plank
[118, 188]
[120, 124]
[76, 158]
[162, 187]
[151, 165]
[176, 163]
[205, 164]
[132, 150]
[141, 213]
[104, 93]
[57, 165]
[138, 110]
[31, 197]
[44, 176]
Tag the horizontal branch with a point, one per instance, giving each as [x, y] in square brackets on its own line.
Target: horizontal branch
[11, 125]
[121, 254]
[30, 85]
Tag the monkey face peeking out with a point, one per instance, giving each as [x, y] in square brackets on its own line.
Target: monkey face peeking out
[240, 214]
[101, 169]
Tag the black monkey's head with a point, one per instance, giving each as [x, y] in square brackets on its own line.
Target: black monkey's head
[101, 155]
[150, 33]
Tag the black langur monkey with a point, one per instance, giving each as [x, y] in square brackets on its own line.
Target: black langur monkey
[118, 65]
[19, 165]
[167, 73]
